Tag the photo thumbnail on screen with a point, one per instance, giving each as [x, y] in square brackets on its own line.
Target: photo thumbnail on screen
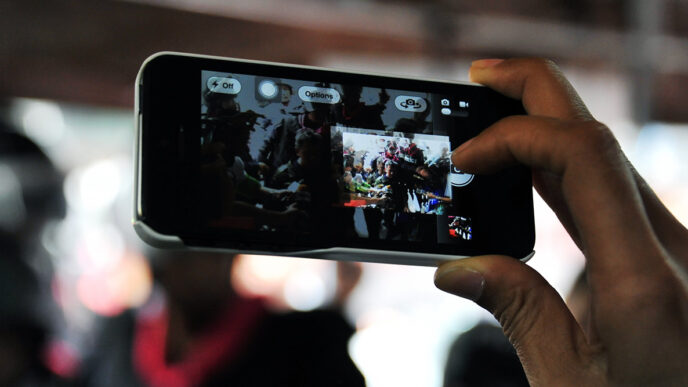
[460, 227]
[402, 172]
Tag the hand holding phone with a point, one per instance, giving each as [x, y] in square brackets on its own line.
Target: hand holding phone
[636, 251]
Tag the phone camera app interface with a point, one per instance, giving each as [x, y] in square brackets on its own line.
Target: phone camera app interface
[312, 158]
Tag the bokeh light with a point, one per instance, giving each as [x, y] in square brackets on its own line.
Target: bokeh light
[287, 283]
[109, 291]
[43, 121]
[93, 188]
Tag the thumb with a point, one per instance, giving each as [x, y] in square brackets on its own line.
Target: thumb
[549, 342]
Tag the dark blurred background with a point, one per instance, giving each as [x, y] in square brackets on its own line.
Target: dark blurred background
[87, 51]
[67, 71]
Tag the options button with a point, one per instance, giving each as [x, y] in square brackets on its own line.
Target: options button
[319, 94]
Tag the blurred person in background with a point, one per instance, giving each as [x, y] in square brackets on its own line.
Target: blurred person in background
[31, 193]
[30, 197]
[482, 356]
[195, 330]
[636, 251]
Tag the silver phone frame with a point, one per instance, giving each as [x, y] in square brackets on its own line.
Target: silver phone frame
[156, 239]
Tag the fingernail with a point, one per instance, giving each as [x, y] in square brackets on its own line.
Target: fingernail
[485, 63]
[460, 281]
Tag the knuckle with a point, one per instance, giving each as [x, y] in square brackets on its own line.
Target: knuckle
[598, 133]
[540, 65]
[518, 313]
[591, 138]
[635, 293]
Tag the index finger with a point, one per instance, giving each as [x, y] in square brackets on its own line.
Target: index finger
[537, 82]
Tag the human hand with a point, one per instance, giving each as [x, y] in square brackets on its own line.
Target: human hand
[294, 217]
[263, 169]
[636, 251]
[287, 196]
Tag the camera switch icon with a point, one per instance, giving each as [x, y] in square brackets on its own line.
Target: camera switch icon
[408, 103]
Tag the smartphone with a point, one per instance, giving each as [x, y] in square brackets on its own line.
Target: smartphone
[257, 157]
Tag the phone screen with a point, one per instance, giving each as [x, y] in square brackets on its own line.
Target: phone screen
[317, 161]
